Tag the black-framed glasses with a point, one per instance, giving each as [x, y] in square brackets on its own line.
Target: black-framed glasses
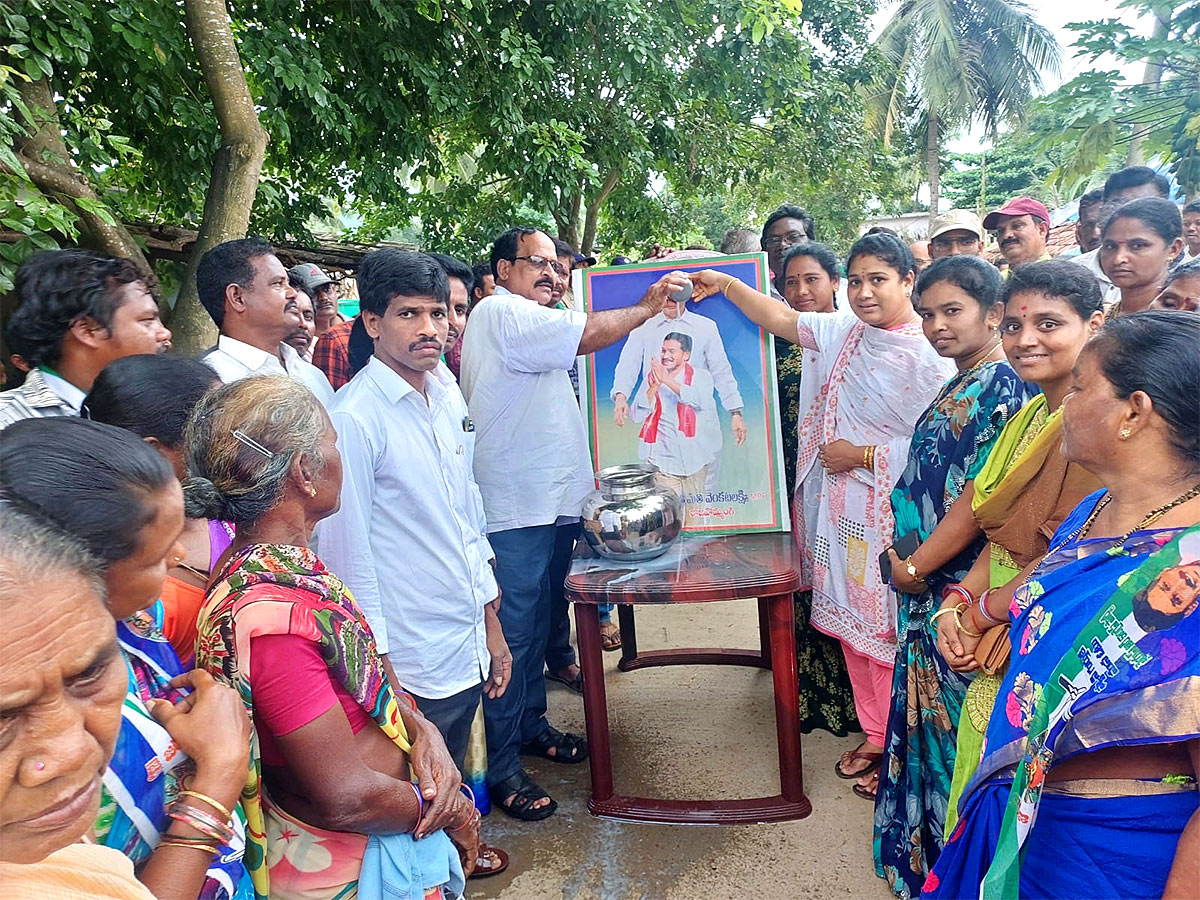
[540, 262]
[791, 238]
[945, 242]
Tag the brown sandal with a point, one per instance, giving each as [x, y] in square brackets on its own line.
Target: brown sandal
[874, 758]
[610, 636]
[865, 792]
[489, 861]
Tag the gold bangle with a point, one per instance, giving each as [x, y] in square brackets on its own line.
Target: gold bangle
[204, 798]
[210, 848]
[941, 612]
[725, 290]
[958, 621]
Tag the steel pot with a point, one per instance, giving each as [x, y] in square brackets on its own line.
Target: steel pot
[631, 517]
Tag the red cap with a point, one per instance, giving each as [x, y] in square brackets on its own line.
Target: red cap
[1018, 206]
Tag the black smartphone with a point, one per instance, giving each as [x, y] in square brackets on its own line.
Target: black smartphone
[905, 547]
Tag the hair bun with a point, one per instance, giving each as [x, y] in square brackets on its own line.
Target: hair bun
[204, 500]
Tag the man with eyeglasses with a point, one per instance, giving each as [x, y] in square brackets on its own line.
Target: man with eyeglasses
[533, 470]
[956, 233]
[785, 228]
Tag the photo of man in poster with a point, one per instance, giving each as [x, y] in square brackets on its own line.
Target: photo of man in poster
[643, 350]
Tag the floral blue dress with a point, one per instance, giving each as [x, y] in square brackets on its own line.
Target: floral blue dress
[950, 444]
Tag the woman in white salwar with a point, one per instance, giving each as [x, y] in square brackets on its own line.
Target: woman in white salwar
[878, 373]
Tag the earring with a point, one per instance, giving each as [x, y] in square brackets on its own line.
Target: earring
[312, 491]
[1125, 433]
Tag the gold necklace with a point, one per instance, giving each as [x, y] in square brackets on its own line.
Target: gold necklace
[1153, 516]
[986, 353]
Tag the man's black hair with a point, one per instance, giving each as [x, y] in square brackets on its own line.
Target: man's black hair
[506, 245]
[384, 274]
[479, 272]
[58, 288]
[683, 340]
[562, 248]
[788, 211]
[455, 268]
[229, 263]
[1136, 176]
[1092, 198]
[1193, 207]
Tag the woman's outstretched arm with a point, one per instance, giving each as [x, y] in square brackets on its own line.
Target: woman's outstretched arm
[765, 312]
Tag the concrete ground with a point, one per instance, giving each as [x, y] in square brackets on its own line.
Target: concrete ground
[688, 732]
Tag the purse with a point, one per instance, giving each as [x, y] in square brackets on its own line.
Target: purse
[993, 649]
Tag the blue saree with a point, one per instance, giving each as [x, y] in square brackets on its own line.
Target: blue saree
[1105, 653]
[949, 446]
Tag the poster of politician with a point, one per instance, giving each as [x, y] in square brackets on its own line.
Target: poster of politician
[692, 392]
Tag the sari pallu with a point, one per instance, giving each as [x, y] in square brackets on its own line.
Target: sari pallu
[272, 589]
[147, 769]
[950, 445]
[1093, 667]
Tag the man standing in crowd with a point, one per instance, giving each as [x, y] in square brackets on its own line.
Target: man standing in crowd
[462, 280]
[1130, 183]
[1022, 227]
[784, 229]
[1087, 228]
[1191, 230]
[322, 290]
[534, 471]
[485, 282]
[920, 252]
[303, 338]
[955, 233]
[78, 312]
[245, 289]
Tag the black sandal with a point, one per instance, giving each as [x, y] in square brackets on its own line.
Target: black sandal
[568, 748]
[575, 684]
[527, 793]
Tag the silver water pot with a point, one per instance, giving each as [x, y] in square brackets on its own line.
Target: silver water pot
[631, 517]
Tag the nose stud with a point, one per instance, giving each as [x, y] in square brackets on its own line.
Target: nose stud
[39, 766]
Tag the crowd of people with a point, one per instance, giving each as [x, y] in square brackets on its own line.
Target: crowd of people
[334, 552]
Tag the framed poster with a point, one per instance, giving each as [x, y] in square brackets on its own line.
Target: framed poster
[692, 392]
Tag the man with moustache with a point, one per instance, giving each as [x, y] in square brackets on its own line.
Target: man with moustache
[462, 281]
[304, 337]
[1022, 227]
[1087, 227]
[534, 472]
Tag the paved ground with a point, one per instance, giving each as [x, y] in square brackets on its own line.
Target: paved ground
[688, 732]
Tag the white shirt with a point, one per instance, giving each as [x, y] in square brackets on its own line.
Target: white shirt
[645, 343]
[531, 453]
[1109, 292]
[234, 360]
[408, 539]
[672, 451]
[63, 389]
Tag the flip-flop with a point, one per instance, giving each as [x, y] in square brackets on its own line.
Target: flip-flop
[575, 684]
[486, 854]
[874, 758]
[865, 792]
[610, 636]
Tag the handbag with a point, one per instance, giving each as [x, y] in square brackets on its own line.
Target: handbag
[993, 649]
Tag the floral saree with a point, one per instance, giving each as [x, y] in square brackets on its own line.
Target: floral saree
[1106, 652]
[950, 445]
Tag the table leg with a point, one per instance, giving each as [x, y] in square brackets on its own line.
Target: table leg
[764, 630]
[787, 699]
[629, 649]
[595, 701]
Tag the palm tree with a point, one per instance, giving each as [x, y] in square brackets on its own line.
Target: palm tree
[957, 63]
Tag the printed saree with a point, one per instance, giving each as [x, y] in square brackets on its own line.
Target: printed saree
[273, 589]
[950, 445]
[1105, 653]
[148, 769]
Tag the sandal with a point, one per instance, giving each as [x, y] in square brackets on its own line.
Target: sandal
[610, 636]
[867, 793]
[874, 758]
[490, 861]
[575, 684]
[568, 748]
[527, 793]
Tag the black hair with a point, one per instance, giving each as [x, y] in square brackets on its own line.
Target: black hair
[1150, 619]
[1092, 198]
[229, 263]
[359, 348]
[1058, 278]
[455, 268]
[882, 229]
[684, 340]
[1187, 269]
[479, 272]
[1136, 176]
[972, 275]
[1193, 207]
[88, 479]
[562, 248]
[1162, 217]
[886, 247]
[384, 274]
[149, 394]
[824, 256]
[507, 244]
[788, 211]
[1155, 352]
[58, 288]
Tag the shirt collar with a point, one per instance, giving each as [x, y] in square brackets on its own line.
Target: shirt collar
[63, 389]
[247, 354]
[389, 382]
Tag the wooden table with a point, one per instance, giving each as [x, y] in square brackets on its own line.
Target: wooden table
[695, 569]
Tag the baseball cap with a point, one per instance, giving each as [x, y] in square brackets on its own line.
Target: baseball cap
[582, 260]
[956, 220]
[1018, 206]
[310, 276]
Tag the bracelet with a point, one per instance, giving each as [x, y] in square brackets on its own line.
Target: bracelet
[911, 569]
[470, 794]
[984, 610]
[941, 612]
[728, 284]
[866, 451]
[201, 821]
[420, 807]
[957, 589]
[472, 816]
[204, 798]
[958, 611]
[871, 457]
[207, 846]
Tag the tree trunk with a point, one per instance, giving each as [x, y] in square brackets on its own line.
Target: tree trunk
[236, 165]
[44, 157]
[1136, 155]
[592, 219]
[933, 164]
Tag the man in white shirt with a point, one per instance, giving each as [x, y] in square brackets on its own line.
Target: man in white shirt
[409, 539]
[534, 471]
[245, 289]
[78, 312]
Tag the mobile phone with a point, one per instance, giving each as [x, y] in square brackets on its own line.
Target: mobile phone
[683, 294]
[905, 547]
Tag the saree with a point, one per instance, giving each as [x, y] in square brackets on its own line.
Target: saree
[273, 589]
[876, 384]
[75, 871]
[951, 443]
[826, 699]
[147, 769]
[1106, 652]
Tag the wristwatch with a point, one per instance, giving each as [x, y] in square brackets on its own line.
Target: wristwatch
[912, 570]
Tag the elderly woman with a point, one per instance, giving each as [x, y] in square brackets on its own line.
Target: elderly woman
[330, 802]
[1092, 750]
[62, 683]
[172, 787]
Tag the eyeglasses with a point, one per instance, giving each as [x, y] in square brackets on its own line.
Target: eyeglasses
[540, 262]
[778, 240]
[945, 243]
